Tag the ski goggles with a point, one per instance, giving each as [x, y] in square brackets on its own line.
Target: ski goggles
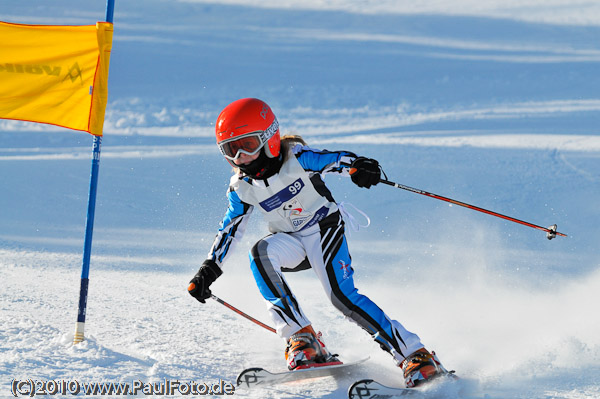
[248, 144]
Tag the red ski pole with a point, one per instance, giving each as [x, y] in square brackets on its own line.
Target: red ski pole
[550, 231]
[236, 310]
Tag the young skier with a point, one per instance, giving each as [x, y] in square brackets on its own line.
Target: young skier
[283, 179]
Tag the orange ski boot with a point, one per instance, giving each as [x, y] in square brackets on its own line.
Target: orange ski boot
[305, 349]
[421, 366]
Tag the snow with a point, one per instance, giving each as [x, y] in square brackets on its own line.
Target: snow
[491, 103]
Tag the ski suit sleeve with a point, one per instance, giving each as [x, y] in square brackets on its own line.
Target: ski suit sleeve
[323, 161]
[232, 227]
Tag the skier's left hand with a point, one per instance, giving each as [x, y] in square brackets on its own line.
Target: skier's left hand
[208, 273]
[365, 172]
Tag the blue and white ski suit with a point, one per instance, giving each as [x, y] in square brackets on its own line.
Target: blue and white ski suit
[307, 231]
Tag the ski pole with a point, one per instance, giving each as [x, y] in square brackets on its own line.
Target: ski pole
[550, 231]
[236, 310]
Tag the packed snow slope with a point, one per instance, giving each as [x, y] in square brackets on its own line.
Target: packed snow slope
[496, 105]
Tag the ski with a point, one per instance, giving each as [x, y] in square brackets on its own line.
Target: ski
[256, 376]
[370, 389]
[447, 385]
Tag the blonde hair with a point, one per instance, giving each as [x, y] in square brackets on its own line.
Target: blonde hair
[290, 140]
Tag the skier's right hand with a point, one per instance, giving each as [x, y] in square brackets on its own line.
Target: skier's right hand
[207, 274]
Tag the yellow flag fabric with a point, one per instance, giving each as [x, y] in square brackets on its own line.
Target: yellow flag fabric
[55, 74]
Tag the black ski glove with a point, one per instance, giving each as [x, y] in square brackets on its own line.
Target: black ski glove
[207, 274]
[365, 172]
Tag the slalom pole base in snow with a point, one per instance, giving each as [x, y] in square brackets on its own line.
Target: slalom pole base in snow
[79, 333]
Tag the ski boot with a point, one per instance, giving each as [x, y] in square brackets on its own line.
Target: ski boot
[305, 349]
[421, 367]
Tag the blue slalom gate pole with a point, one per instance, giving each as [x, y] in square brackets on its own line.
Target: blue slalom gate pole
[89, 225]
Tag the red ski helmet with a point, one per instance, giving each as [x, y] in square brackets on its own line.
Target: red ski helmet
[246, 125]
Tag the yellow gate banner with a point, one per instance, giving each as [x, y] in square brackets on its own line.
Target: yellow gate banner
[55, 74]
